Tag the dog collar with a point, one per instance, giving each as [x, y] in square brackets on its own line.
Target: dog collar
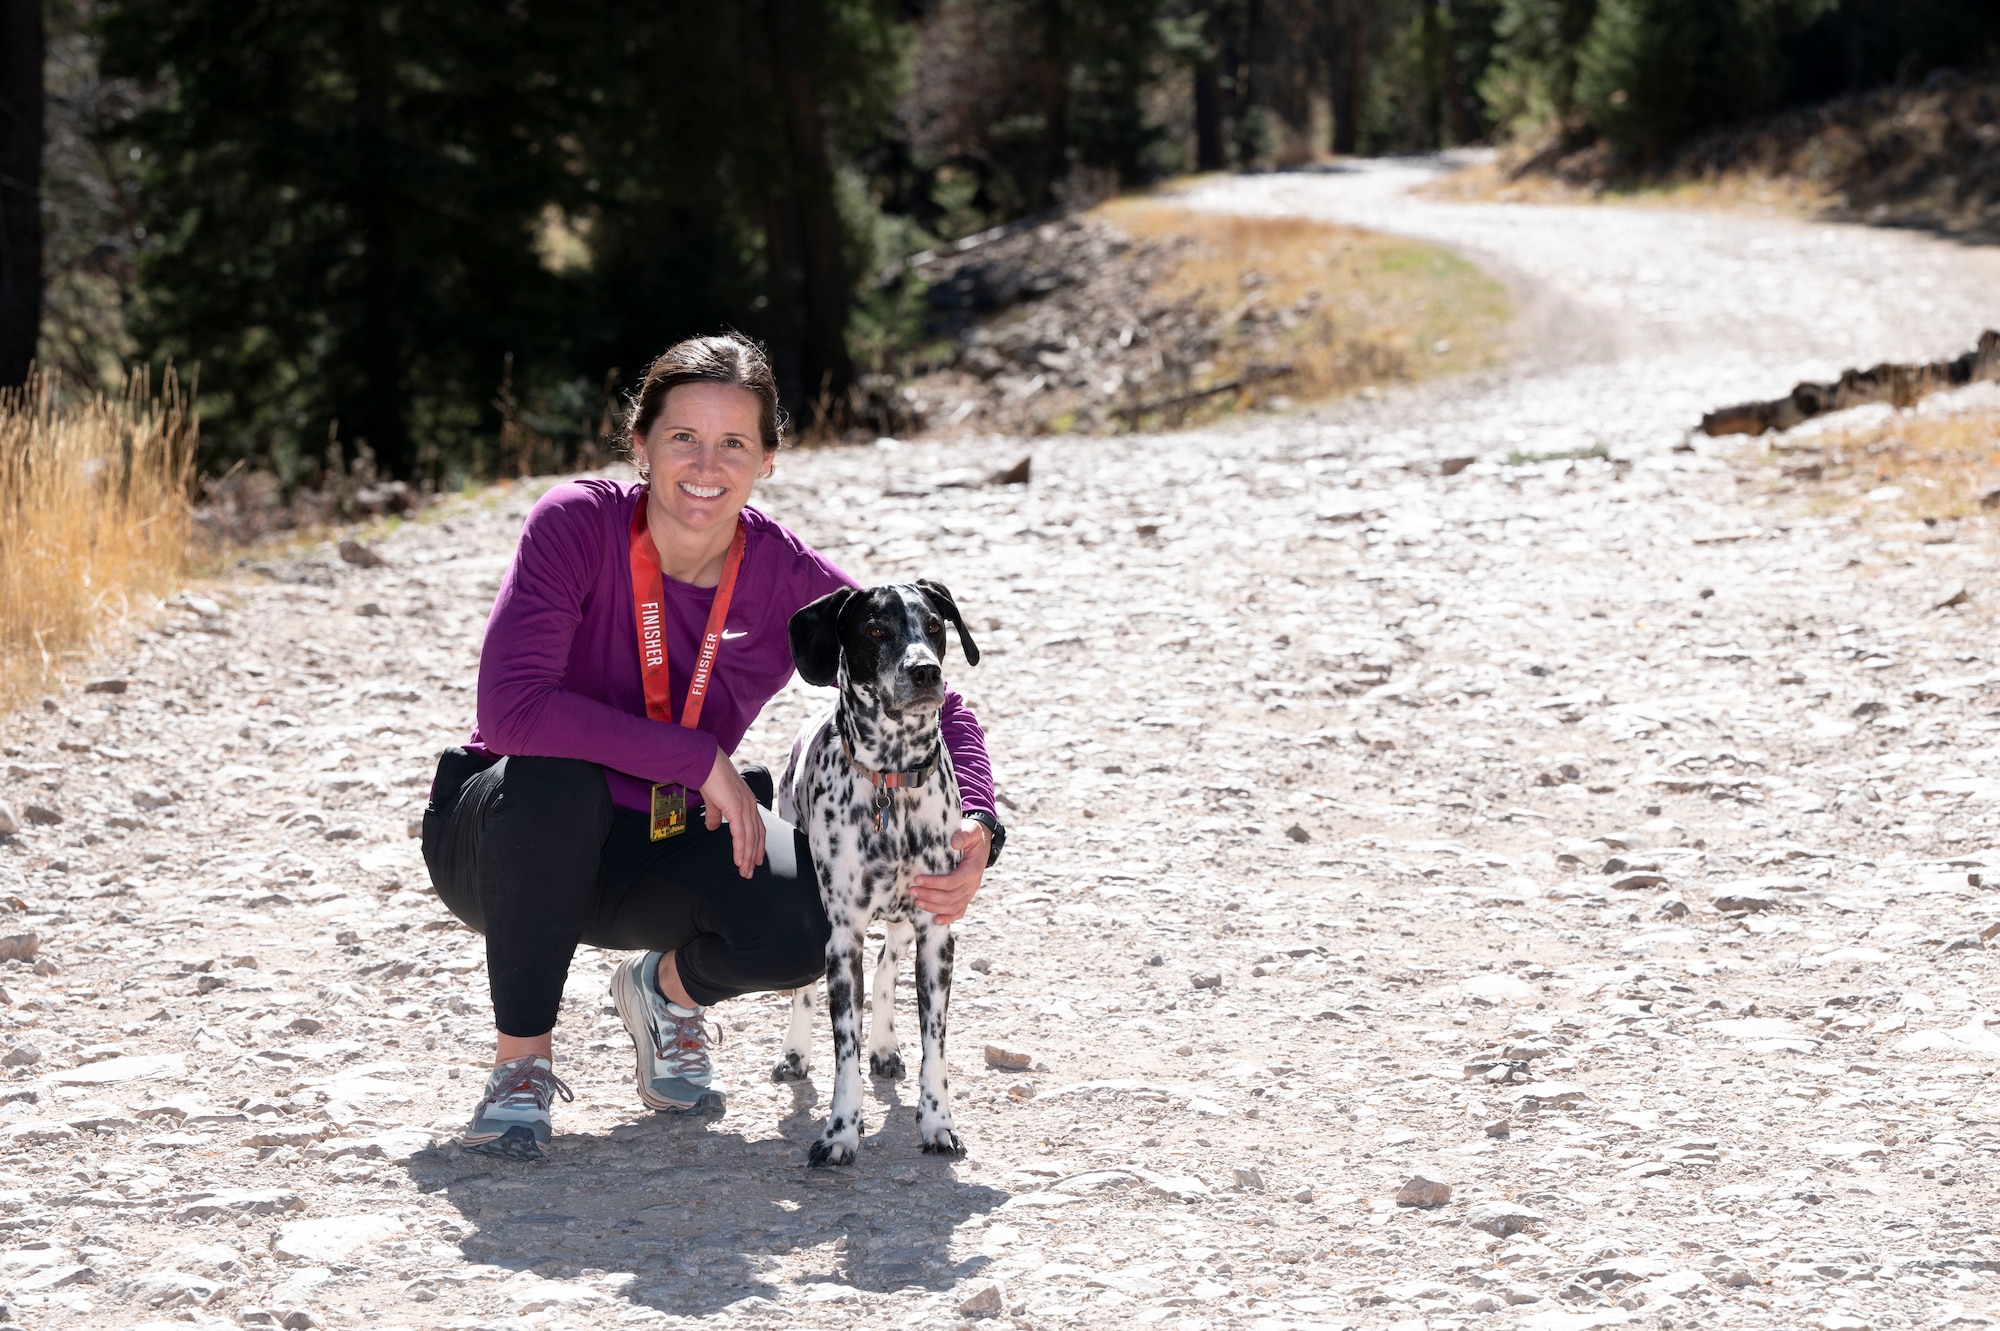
[893, 780]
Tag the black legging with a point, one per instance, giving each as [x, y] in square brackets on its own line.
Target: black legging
[532, 853]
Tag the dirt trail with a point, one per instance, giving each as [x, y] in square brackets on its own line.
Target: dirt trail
[1589, 836]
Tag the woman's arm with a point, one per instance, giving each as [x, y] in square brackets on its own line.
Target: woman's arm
[523, 708]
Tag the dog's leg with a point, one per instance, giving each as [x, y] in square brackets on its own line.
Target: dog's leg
[934, 1122]
[885, 1059]
[795, 1055]
[842, 1138]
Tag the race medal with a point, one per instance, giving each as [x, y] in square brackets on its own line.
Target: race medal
[670, 811]
[668, 816]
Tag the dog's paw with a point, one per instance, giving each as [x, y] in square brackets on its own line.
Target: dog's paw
[790, 1068]
[888, 1066]
[829, 1151]
[943, 1141]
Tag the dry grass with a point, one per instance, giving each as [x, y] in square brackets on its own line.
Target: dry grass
[1495, 181]
[94, 515]
[1936, 466]
[1343, 308]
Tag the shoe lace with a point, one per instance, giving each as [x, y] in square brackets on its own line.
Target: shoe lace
[530, 1083]
[682, 1043]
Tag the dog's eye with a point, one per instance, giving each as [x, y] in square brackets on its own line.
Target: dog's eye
[877, 632]
[935, 627]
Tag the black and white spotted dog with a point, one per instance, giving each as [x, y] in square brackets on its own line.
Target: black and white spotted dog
[871, 783]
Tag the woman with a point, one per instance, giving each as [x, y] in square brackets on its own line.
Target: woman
[596, 801]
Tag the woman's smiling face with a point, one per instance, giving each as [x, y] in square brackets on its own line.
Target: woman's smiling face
[703, 454]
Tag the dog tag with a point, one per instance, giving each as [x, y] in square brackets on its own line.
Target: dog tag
[670, 811]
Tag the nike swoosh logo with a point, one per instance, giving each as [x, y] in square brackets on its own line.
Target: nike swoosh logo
[740, 633]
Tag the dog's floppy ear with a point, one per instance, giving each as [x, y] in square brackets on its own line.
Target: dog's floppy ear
[815, 635]
[940, 598]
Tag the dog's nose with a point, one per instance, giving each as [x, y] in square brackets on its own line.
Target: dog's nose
[925, 676]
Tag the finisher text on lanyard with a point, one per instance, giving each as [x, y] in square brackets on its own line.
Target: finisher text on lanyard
[670, 810]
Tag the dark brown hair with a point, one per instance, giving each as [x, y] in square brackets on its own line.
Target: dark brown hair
[726, 358]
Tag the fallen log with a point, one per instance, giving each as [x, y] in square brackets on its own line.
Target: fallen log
[1898, 385]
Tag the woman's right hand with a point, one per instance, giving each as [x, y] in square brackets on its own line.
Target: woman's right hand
[725, 796]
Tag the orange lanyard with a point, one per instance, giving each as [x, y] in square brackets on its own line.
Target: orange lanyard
[649, 613]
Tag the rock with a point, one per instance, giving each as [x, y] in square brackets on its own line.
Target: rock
[9, 824]
[20, 1056]
[980, 964]
[1501, 1218]
[1249, 1178]
[1498, 987]
[105, 686]
[1298, 834]
[1421, 1191]
[1958, 597]
[1013, 1060]
[1453, 466]
[1018, 474]
[1302, 1194]
[371, 610]
[41, 815]
[137, 1067]
[396, 1145]
[1096, 1180]
[1549, 1093]
[56, 1277]
[335, 1238]
[153, 797]
[47, 966]
[1206, 980]
[1180, 1187]
[1633, 882]
[241, 1201]
[359, 555]
[168, 1289]
[981, 1298]
[1744, 899]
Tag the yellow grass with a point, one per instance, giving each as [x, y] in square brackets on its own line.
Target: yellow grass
[1493, 181]
[94, 514]
[1941, 465]
[1352, 308]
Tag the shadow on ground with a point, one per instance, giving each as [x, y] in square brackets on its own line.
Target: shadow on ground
[697, 1211]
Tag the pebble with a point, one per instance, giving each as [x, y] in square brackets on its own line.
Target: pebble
[10, 824]
[1418, 1190]
[981, 1298]
[1008, 1057]
[1501, 1218]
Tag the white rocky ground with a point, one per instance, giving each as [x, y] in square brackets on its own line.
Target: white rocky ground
[1604, 839]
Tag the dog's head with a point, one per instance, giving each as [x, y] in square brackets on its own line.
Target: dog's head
[889, 639]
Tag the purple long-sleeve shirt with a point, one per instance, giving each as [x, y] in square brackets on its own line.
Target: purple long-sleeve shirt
[559, 670]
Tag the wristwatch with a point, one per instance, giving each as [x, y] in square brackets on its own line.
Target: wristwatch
[997, 833]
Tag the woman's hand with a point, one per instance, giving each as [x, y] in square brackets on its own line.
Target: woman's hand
[946, 895]
[725, 796]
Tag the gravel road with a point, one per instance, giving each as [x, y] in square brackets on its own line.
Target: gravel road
[1605, 838]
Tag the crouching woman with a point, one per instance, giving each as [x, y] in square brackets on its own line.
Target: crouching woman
[638, 633]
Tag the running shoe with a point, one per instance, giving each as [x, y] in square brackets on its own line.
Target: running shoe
[512, 1119]
[671, 1042]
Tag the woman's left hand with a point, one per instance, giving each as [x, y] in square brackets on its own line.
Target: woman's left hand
[946, 895]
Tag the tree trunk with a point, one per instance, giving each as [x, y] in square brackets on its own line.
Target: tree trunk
[1055, 102]
[825, 371]
[1464, 129]
[1249, 111]
[1208, 150]
[1347, 63]
[377, 417]
[20, 188]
